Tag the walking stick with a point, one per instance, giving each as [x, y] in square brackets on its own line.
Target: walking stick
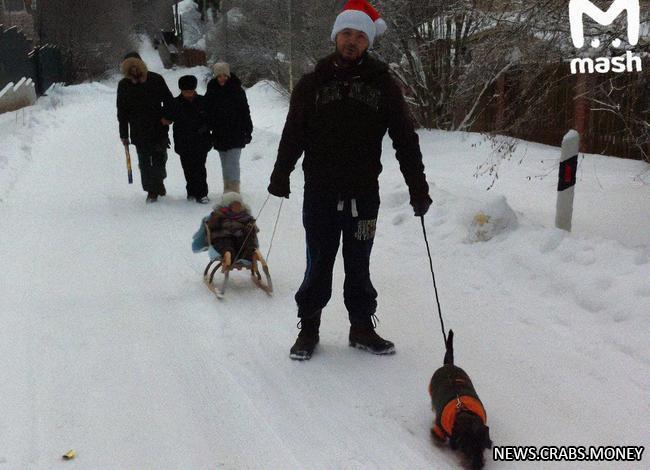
[128, 163]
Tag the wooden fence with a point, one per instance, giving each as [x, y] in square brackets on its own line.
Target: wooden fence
[19, 60]
[571, 102]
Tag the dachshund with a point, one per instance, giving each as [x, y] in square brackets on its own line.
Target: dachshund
[460, 415]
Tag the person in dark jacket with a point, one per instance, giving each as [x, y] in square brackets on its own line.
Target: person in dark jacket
[338, 117]
[143, 99]
[230, 122]
[192, 140]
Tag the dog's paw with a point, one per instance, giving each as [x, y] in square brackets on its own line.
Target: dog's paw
[438, 440]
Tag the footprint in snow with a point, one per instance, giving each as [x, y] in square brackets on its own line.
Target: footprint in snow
[552, 242]
[621, 317]
[399, 219]
[590, 303]
[396, 199]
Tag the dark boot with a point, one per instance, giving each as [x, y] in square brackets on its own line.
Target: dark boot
[151, 197]
[307, 339]
[363, 336]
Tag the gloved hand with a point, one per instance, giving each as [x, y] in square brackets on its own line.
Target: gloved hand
[279, 186]
[125, 142]
[279, 189]
[247, 139]
[421, 206]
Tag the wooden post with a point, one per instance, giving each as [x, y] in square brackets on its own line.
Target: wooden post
[581, 110]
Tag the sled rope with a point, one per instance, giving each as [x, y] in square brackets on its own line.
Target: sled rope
[275, 227]
[433, 276]
[253, 225]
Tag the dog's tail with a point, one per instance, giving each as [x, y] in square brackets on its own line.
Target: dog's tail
[449, 355]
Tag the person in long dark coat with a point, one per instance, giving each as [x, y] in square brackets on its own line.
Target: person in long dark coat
[192, 140]
[143, 104]
[230, 122]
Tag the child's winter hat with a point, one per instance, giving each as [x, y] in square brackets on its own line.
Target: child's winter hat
[230, 197]
[187, 82]
[221, 68]
[133, 59]
[359, 15]
[132, 55]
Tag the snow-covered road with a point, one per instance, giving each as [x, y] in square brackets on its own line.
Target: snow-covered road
[111, 345]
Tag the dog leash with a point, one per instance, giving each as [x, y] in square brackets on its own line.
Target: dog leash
[433, 276]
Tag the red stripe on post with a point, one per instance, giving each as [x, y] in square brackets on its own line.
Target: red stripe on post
[568, 174]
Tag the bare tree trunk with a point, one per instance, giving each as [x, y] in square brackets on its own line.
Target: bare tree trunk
[291, 55]
[466, 123]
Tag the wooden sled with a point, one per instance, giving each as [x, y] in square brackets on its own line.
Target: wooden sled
[226, 265]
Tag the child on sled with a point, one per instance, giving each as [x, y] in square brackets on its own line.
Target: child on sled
[229, 235]
[232, 231]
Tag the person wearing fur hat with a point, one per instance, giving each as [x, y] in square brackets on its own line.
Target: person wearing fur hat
[232, 229]
[231, 124]
[338, 116]
[143, 104]
[192, 140]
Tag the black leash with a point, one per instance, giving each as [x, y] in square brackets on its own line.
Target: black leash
[433, 276]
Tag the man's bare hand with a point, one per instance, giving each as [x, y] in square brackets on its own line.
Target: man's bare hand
[125, 142]
[166, 122]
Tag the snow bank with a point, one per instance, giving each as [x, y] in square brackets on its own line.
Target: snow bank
[193, 27]
[487, 218]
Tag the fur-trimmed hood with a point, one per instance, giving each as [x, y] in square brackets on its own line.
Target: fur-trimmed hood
[126, 66]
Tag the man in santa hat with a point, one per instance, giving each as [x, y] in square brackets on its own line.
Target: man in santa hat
[338, 116]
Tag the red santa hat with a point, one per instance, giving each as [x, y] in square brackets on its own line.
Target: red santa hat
[359, 15]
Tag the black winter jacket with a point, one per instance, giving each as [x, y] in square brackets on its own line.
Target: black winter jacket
[339, 119]
[141, 106]
[191, 129]
[230, 116]
[233, 232]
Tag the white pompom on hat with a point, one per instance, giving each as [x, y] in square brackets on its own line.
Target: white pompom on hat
[230, 197]
[360, 15]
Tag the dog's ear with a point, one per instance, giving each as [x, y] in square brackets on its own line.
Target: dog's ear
[487, 442]
[453, 442]
[478, 462]
[482, 433]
